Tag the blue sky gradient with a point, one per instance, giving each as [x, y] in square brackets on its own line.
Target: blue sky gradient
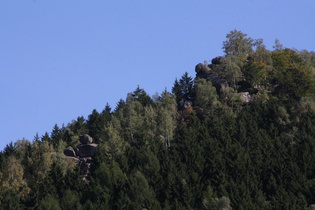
[62, 59]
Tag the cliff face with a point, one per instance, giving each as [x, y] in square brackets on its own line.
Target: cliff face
[82, 154]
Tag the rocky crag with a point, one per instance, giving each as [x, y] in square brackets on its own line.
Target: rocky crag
[82, 154]
[206, 71]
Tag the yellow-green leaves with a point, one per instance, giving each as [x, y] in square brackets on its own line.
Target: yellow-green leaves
[13, 179]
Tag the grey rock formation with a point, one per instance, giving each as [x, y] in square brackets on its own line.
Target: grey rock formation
[69, 151]
[86, 139]
[86, 150]
[246, 97]
[218, 81]
[207, 72]
[202, 70]
[82, 155]
[217, 60]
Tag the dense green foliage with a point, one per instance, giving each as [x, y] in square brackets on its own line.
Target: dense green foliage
[200, 147]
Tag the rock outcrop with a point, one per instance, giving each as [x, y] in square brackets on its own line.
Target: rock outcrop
[246, 97]
[218, 81]
[218, 60]
[83, 154]
[69, 152]
[205, 71]
[86, 139]
[86, 150]
[209, 73]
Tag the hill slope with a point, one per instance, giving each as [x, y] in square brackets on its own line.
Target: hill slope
[240, 135]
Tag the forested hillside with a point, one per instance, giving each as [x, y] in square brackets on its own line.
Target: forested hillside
[240, 134]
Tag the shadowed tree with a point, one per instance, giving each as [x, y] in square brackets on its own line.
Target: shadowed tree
[183, 89]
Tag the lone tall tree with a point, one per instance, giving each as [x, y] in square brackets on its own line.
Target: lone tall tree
[237, 44]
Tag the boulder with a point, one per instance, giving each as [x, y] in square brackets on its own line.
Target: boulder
[217, 60]
[246, 97]
[202, 70]
[218, 81]
[69, 151]
[86, 150]
[86, 139]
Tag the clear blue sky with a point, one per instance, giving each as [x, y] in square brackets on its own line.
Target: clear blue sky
[61, 59]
